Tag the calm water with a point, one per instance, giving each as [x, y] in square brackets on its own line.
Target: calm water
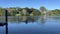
[32, 25]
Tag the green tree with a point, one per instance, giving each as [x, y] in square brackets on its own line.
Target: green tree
[35, 12]
[43, 10]
[25, 11]
[2, 12]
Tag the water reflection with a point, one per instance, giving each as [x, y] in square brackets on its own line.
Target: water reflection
[29, 19]
[25, 19]
[43, 19]
[2, 21]
[54, 17]
[2, 24]
[28, 25]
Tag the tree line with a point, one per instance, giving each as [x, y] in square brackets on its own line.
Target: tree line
[17, 11]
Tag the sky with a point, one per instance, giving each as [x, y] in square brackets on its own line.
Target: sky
[49, 4]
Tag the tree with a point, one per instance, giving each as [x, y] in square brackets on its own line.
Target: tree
[25, 11]
[43, 10]
[2, 12]
[12, 11]
[35, 12]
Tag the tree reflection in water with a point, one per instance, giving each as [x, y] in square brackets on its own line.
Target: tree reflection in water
[28, 19]
[43, 19]
[25, 19]
[2, 21]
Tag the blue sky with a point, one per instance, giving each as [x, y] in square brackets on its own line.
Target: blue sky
[49, 4]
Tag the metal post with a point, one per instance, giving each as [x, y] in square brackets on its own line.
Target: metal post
[6, 21]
